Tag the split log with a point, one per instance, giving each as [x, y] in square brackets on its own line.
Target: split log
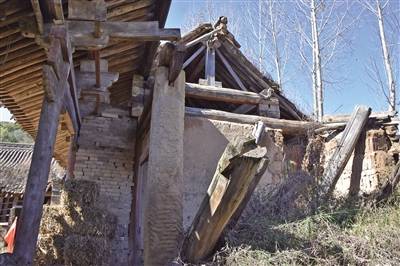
[345, 147]
[221, 94]
[238, 172]
[291, 127]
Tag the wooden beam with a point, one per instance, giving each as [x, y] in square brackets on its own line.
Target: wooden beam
[221, 94]
[38, 15]
[81, 32]
[193, 56]
[291, 127]
[345, 147]
[202, 38]
[60, 32]
[238, 172]
[231, 71]
[345, 118]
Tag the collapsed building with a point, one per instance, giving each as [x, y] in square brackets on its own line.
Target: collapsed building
[163, 144]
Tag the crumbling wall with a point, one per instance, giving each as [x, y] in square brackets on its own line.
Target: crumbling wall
[204, 142]
[369, 165]
[106, 156]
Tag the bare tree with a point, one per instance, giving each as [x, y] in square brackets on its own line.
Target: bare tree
[209, 11]
[267, 34]
[321, 27]
[378, 10]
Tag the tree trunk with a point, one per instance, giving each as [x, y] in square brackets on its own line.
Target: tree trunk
[317, 70]
[386, 59]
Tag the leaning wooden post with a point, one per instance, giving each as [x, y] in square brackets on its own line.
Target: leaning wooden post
[345, 148]
[55, 86]
[163, 217]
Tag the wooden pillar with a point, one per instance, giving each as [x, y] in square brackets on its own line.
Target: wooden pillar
[55, 76]
[25, 243]
[210, 65]
[163, 217]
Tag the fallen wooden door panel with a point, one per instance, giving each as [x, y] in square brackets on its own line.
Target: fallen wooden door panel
[236, 173]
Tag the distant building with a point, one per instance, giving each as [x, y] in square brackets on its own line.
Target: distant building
[15, 159]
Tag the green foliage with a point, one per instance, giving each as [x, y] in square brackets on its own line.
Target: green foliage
[12, 132]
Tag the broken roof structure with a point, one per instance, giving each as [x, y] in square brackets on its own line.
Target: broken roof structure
[232, 69]
[91, 83]
[23, 32]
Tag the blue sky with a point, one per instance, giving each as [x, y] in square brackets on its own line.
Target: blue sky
[355, 88]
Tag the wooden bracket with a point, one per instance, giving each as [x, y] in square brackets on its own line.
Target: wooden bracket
[172, 56]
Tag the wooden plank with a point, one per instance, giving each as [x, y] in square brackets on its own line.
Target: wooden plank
[238, 171]
[221, 94]
[344, 150]
[87, 10]
[291, 127]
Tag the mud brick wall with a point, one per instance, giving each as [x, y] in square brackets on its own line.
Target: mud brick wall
[106, 156]
[374, 157]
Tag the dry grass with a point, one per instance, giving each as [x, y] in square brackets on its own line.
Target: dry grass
[342, 236]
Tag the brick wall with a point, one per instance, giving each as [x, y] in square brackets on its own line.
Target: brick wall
[106, 155]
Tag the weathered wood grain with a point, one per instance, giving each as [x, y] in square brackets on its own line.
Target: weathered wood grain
[221, 94]
[291, 127]
[343, 151]
[238, 172]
